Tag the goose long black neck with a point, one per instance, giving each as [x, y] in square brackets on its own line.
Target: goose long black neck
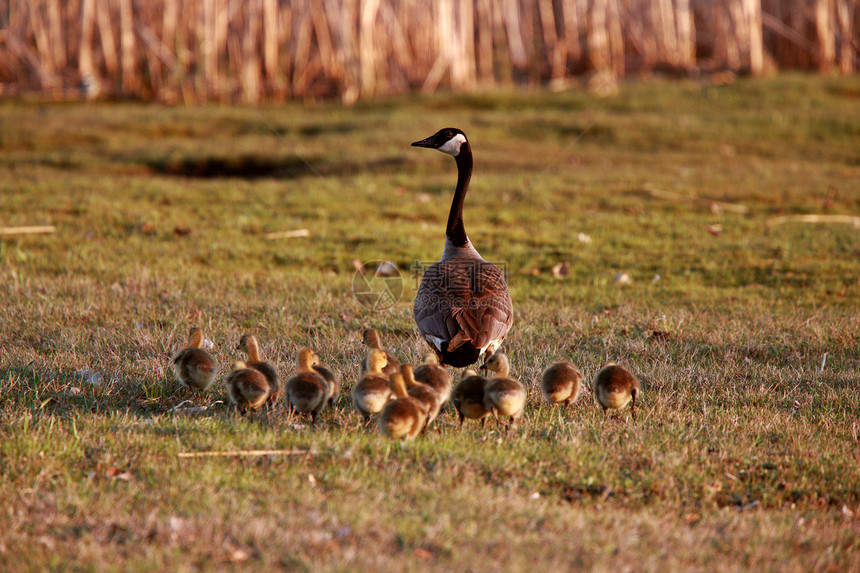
[456, 230]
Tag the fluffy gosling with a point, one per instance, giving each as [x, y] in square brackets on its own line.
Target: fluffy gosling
[421, 392]
[561, 383]
[468, 397]
[307, 392]
[615, 387]
[371, 340]
[248, 387]
[195, 368]
[249, 345]
[435, 376]
[330, 377]
[372, 392]
[404, 417]
[503, 396]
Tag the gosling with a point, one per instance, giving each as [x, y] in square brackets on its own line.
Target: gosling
[195, 368]
[435, 376]
[615, 387]
[561, 383]
[372, 392]
[468, 397]
[330, 377]
[248, 344]
[371, 340]
[307, 392]
[503, 396]
[248, 387]
[404, 417]
[422, 392]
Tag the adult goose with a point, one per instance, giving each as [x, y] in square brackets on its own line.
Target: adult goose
[462, 308]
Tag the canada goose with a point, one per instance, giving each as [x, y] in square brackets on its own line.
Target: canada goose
[462, 307]
[195, 368]
[403, 417]
[615, 386]
[307, 391]
[248, 387]
[372, 392]
[248, 344]
[422, 392]
[503, 396]
[435, 376]
[330, 377]
[468, 397]
[561, 383]
[371, 340]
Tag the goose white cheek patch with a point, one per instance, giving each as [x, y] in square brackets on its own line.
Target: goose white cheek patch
[452, 146]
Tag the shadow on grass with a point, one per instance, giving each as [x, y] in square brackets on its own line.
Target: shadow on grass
[257, 167]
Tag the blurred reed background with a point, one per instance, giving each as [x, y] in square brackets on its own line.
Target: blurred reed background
[273, 50]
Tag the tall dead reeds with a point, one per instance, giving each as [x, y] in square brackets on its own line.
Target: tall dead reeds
[256, 50]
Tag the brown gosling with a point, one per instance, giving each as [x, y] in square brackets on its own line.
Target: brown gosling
[307, 392]
[468, 397]
[405, 416]
[421, 392]
[561, 383]
[371, 340]
[248, 344]
[435, 376]
[371, 392]
[614, 387]
[503, 396]
[248, 387]
[195, 368]
[330, 377]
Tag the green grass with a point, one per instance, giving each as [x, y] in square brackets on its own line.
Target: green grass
[746, 453]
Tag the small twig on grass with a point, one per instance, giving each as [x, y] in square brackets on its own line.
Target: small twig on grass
[236, 453]
[37, 230]
[838, 219]
[287, 234]
[714, 206]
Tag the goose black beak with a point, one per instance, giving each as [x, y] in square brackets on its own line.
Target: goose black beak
[425, 143]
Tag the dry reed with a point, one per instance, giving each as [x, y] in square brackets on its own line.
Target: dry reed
[273, 50]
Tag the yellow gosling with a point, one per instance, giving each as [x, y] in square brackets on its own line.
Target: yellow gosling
[503, 396]
[468, 397]
[371, 392]
[371, 340]
[249, 345]
[404, 417]
[248, 387]
[307, 392]
[194, 367]
[561, 383]
[615, 387]
[435, 376]
[422, 392]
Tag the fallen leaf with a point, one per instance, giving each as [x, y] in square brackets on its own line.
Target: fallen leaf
[583, 238]
[422, 553]
[181, 231]
[716, 230]
[692, 518]
[622, 279]
[359, 268]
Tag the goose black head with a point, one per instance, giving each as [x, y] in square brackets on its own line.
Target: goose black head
[447, 140]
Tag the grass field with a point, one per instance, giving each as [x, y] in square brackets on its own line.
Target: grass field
[745, 453]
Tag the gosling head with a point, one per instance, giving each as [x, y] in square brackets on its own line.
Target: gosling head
[449, 140]
[408, 374]
[306, 358]
[469, 372]
[498, 363]
[195, 337]
[376, 361]
[370, 338]
[247, 342]
[431, 358]
[238, 365]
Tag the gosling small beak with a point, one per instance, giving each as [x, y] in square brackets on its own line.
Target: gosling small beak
[425, 143]
[482, 366]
